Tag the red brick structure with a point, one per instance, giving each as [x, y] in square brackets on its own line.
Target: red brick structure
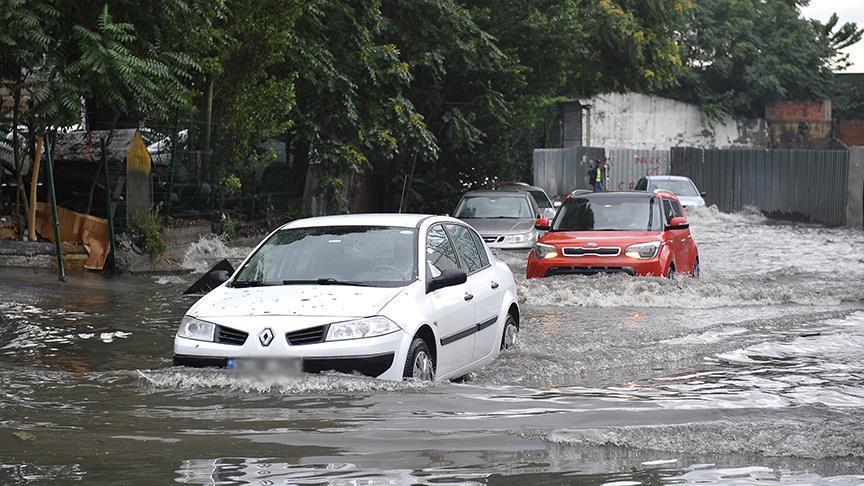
[851, 132]
[798, 111]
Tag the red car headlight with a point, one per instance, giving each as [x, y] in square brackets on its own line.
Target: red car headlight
[643, 251]
[544, 251]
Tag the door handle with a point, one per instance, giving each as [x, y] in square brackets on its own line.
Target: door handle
[494, 285]
[468, 296]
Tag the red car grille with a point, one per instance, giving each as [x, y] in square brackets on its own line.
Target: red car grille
[603, 251]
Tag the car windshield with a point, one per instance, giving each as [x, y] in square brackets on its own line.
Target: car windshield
[373, 256]
[489, 207]
[608, 214]
[679, 187]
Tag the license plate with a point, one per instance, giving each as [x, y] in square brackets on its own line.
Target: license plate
[281, 366]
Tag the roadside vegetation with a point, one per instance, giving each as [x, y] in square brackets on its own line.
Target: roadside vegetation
[432, 96]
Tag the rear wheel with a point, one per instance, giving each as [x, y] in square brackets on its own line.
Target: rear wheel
[511, 332]
[419, 364]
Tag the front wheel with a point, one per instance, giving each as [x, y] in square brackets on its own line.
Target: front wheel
[511, 332]
[696, 271]
[419, 364]
[670, 274]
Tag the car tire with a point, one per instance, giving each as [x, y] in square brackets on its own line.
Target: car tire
[696, 270]
[670, 274]
[419, 364]
[511, 332]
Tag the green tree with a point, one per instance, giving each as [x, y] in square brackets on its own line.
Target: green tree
[488, 74]
[742, 55]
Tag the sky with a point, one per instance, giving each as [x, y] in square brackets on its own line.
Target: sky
[848, 11]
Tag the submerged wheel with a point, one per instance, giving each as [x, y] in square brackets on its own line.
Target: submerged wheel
[670, 274]
[419, 364]
[696, 271]
[511, 332]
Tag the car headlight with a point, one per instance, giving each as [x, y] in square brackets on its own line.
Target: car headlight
[643, 251]
[361, 328]
[520, 238]
[545, 251]
[197, 329]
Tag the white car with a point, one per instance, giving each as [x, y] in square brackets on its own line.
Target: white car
[392, 296]
[681, 186]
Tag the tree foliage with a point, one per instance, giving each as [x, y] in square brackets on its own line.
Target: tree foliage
[742, 55]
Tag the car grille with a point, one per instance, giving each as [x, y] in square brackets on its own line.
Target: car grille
[226, 335]
[493, 239]
[603, 251]
[588, 270]
[310, 335]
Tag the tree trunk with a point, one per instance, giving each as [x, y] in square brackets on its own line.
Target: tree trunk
[34, 181]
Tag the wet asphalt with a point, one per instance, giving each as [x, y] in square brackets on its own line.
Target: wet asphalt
[753, 374]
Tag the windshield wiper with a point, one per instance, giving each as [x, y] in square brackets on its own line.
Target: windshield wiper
[238, 284]
[323, 281]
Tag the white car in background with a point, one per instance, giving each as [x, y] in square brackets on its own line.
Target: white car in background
[392, 296]
[681, 186]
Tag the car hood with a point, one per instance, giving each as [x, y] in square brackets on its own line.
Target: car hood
[294, 300]
[691, 201]
[601, 238]
[501, 226]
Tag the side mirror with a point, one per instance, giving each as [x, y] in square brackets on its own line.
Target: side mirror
[703, 194]
[448, 278]
[556, 204]
[542, 224]
[678, 222]
[216, 276]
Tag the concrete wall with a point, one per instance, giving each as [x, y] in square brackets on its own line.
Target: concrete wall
[855, 189]
[641, 121]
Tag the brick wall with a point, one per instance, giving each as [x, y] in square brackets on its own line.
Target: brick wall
[819, 110]
[851, 132]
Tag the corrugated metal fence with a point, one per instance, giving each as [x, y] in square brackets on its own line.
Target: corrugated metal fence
[805, 185]
[627, 166]
[559, 171]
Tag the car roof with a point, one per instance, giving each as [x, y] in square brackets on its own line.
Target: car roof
[627, 194]
[486, 192]
[363, 219]
[667, 178]
[518, 186]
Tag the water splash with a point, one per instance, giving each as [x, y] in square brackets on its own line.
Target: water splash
[223, 380]
[202, 254]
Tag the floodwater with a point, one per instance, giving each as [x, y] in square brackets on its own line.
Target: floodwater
[753, 374]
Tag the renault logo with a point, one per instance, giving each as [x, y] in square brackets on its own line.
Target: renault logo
[266, 337]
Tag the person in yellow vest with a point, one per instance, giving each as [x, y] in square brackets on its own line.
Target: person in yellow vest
[597, 176]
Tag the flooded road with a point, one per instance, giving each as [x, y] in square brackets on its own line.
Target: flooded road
[753, 374]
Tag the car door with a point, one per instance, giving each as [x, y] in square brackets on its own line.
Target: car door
[685, 238]
[673, 236]
[677, 238]
[486, 291]
[453, 306]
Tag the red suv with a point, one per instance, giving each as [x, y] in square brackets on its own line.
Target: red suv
[637, 233]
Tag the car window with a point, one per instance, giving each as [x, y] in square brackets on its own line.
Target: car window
[481, 248]
[671, 209]
[679, 187]
[607, 213]
[642, 185]
[540, 198]
[466, 247]
[370, 255]
[439, 252]
[513, 206]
